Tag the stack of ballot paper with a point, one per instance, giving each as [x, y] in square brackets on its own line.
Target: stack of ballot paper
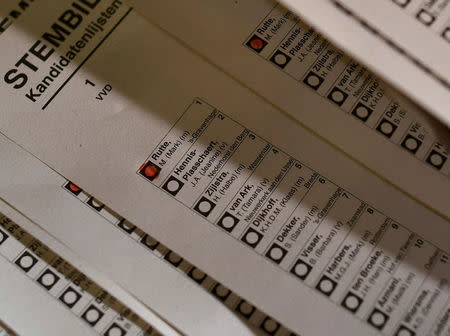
[224, 167]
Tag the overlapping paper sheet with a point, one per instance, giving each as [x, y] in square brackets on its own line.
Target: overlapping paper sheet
[292, 65]
[224, 178]
[406, 41]
[64, 295]
[188, 304]
[122, 251]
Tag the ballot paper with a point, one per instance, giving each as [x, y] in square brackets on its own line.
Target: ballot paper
[223, 177]
[405, 41]
[293, 66]
[141, 264]
[61, 299]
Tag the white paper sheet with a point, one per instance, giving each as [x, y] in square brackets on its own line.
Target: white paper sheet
[43, 292]
[31, 310]
[231, 184]
[96, 234]
[373, 124]
[406, 41]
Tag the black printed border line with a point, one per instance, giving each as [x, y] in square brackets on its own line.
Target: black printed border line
[190, 267]
[199, 100]
[85, 60]
[391, 43]
[281, 151]
[4, 329]
[319, 175]
[149, 330]
[213, 114]
[296, 21]
[400, 322]
[434, 141]
[162, 252]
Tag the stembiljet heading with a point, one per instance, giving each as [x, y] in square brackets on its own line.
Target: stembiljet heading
[40, 51]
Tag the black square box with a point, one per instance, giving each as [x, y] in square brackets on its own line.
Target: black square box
[73, 188]
[70, 297]
[269, 325]
[337, 96]
[228, 222]
[150, 170]
[252, 237]
[126, 226]
[204, 206]
[276, 253]
[411, 144]
[149, 242]
[115, 330]
[197, 275]
[3, 237]
[256, 43]
[92, 315]
[313, 80]
[386, 127]
[351, 302]
[26, 261]
[221, 292]
[173, 185]
[301, 269]
[280, 59]
[404, 331]
[436, 159]
[96, 205]
[362, 112]
[173, 258]
[245, 309]
[48, 279]
[425, 17]
[326, 286]
[402, 3]
[377, 319]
